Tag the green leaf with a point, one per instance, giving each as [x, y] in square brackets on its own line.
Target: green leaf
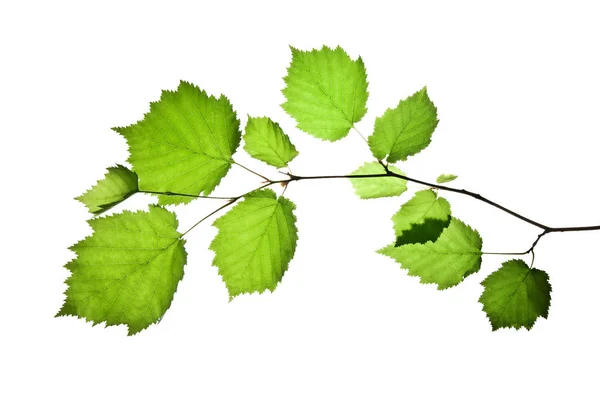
[326, 92]
[515, 295]
[118, 184]
[421, 219]
[265, 140]
[255, 243]
[405, 130]
[127, 271]
[185, 143]
[368, 188]
[445, 262]
[446, 178]
[164, 200]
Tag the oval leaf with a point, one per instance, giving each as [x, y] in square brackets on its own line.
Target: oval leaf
[118, 184]
[255, 243]
[515, 295]
[128, 270]
[446, 178]
[368, 188]
[405, 130]
[326, 92]
[265, 140]
[185, 143]
[445, 262]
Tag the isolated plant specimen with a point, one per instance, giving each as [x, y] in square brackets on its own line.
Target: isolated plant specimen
[128, 270]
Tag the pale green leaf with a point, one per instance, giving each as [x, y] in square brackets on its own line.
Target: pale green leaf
[515, 295]
[421, 219]
[326, 92]
[405, 130]
[185, 143]
[127, 271]
[445, 262]
[164, 200]
[446, 178]
[118, 184]
[265, 140]
[368, 188]
[255, 243]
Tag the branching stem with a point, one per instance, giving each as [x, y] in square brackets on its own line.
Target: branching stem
[231, 202]
[252, 171]
[388, 173]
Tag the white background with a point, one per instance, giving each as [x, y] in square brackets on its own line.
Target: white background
[516, 86]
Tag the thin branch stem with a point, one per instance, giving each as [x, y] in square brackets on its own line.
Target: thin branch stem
[169, 193]
[504, 253]
[252, 171]
[207, 216]
[231, 202]
[388, 173]
[361, 135]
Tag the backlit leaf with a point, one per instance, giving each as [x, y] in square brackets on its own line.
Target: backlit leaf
[446, 178]
[445, 262]
[368, 188]
[118, 184]
[326, 92]
[405, 130]
[185, 143]
[421, 219]
[255, 243]
[127, 271]
[265, 140]
[515, 295]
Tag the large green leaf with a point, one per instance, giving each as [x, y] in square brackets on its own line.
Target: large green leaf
[326, 92]
[265, 140]
[255, 243]
[405, 130]
[515, 295]
[421, 219]
[368, 188]
[445, 262]
[185, 143]
[118, 184]
[127, 271]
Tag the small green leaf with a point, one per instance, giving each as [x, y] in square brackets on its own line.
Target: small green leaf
[255, 243]
[446, 178]
[405, 130]
[118, 184]
[515, 295]
[368, 188]
[265, 140]
[421, 219]
[185, 143]
[128, 270]
[326, 92]
[445, 262]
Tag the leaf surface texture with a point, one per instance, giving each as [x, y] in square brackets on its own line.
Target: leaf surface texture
[118, 184]
[255, 243]
[368, 188]
[405, 130]
[445, 262]
[127, 271]
[326, 92]
[515, 295]
[184, 144]
[265, 140]
[421, 219]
